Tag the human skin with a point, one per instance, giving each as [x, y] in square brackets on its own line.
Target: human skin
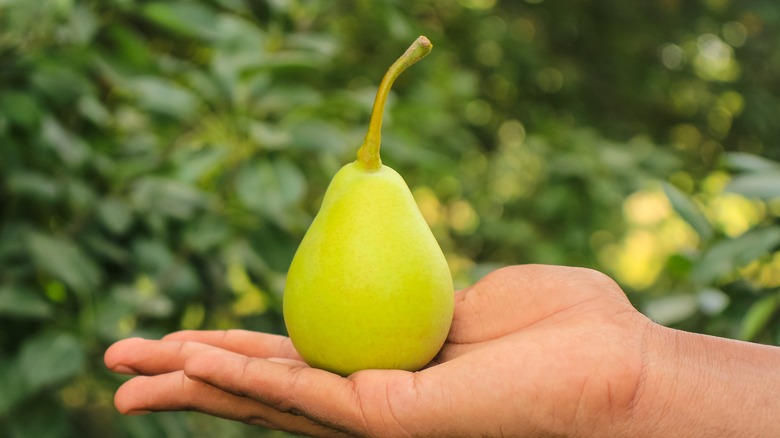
[534, 350]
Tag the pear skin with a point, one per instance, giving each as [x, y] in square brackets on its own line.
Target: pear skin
[369, 286]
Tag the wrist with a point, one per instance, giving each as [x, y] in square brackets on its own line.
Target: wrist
[654, 401]
[698, 385]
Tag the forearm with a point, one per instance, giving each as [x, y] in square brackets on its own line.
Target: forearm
[697, 385]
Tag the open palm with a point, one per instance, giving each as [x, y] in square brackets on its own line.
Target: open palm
[533, 350]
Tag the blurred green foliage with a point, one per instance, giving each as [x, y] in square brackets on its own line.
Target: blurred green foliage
[160, 161]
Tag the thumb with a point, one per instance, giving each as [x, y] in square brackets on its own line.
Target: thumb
[516, 297]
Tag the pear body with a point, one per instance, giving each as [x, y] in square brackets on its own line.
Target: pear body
[368, 286]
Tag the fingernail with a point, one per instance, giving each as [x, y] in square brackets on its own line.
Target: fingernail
[138, 412]
[123, 369]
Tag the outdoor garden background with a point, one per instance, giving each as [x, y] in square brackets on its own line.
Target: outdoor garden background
[160, 161]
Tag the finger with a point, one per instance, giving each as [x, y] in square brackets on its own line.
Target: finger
[143, 356]
[291, 362]
[516, 297]
[452, 351]
[322, 397]
[248, 343]
[176, 392]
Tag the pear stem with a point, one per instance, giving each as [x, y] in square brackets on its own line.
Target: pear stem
[368, 154]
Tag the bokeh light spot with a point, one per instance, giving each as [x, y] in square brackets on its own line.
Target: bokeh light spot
[549, 79]
[735, 33]
[715, 59]
[479, 112]
[673, 57]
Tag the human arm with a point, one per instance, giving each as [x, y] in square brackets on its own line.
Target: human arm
[533, 351]
[707, 386]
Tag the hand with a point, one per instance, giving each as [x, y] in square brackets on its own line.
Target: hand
[533, 350]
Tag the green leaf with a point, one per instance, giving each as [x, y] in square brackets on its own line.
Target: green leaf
[679, 266]
[758, 316]
[206, 233]
[94, 110]
[168, 197]
[128, 44]
[270, 187]
[268, 137]
[115, 214]
[318, 135]
[712, 301]
[62, 82]
[152, 255]
[23, 303]
[762, 185]
[196, 165]
[33, 185]
[164, 97]
[63, 259]
[180, 280]
[115, 313]
[72, 150]
[51, 358]
[107, 248]
[689, 212]
[236, 34]
[20, 108]
[81, 195]
[82, 25]
[150, 305]
[671, 309]
[724, 257]
[13, 387]
[172, 275]
[189, 19]
[744, 162]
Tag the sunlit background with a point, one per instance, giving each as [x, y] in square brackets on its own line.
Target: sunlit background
[161, 161]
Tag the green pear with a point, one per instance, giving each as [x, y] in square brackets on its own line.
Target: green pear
[369, 287]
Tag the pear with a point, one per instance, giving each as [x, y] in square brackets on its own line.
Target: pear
[369, 287]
